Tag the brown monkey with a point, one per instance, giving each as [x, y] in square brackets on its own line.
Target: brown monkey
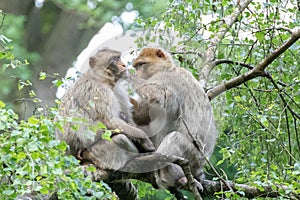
[180, 114]
[97, 97]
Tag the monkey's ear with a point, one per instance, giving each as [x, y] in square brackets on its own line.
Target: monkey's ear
[92, 62]
[160, 54]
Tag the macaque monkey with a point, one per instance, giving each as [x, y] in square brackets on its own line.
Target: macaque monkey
[175, 112]
[96, 97]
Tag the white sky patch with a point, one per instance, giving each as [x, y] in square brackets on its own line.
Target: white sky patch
[39, 3]
[128, 17]
[108, 31]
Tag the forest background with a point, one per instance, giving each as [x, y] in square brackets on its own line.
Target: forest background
[250, 49]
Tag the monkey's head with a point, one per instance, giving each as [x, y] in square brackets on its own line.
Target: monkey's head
[107, 62]
[150, 61]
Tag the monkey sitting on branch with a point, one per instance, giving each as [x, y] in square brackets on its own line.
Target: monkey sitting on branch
[175, 112]
[97, 97]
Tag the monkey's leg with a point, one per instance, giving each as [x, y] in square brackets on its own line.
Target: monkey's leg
[177, 144]
[110, 156]
[153, 161]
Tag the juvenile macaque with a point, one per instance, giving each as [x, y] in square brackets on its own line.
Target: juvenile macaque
[96, 97]
[180, 114]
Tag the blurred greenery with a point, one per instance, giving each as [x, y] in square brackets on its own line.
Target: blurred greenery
[258, 122]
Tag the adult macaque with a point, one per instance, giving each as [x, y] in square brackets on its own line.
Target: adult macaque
[180, 114]
[94, 98]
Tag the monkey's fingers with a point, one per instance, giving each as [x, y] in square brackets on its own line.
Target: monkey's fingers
[147, 145]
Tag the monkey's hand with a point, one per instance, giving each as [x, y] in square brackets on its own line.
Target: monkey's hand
[134, 133]
[146, 145]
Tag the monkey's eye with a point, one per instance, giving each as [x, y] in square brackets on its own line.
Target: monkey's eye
[116, 58]
[139, 65]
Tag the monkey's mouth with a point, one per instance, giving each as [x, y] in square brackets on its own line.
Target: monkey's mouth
[123, 74]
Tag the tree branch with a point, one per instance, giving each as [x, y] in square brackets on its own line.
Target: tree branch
[259, 70]
[211, 50]
[225, 61]
[210, 187]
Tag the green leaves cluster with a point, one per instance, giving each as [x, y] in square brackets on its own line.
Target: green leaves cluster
[33, 162]
[258, 121]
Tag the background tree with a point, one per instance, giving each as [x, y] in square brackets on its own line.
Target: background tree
[50, 35]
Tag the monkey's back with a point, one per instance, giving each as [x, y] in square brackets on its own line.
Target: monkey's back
[194, 106]
[87, 102]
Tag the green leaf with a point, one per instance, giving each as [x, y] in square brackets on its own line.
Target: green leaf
[8, 192]
[91, 169]
[21, 156]
[220, 162]
[237, 98]
[260, 36]
[101, 125]
[44, 190]
[57, 171]
[59, 127]
[43, 76]
[58, 82]
[106, 135]
[33, 120]
[2, 104]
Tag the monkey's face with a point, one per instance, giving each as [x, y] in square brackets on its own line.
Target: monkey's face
[116, 67]
[108, 62]
[149, 62]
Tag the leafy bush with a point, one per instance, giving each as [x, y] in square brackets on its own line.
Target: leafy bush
[32, 161]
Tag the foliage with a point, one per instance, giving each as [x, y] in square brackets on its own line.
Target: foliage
[33, 161]
[258, 121]
[14, 58]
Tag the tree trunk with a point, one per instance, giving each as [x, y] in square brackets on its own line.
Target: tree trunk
[57, 45]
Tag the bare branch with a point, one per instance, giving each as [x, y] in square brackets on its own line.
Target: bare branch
[224, 61]
[286, 105]
[259, 70]
[271, 57]
[276, 28]
[187, 52]
[3, 17]
[211, 51]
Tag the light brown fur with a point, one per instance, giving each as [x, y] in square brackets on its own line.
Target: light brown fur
[180, 112]
[97, 97]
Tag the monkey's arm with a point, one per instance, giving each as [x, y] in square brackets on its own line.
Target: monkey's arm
[107, 110]
[152, 95]
[133, 80]
[140, 112]
[132, 132]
